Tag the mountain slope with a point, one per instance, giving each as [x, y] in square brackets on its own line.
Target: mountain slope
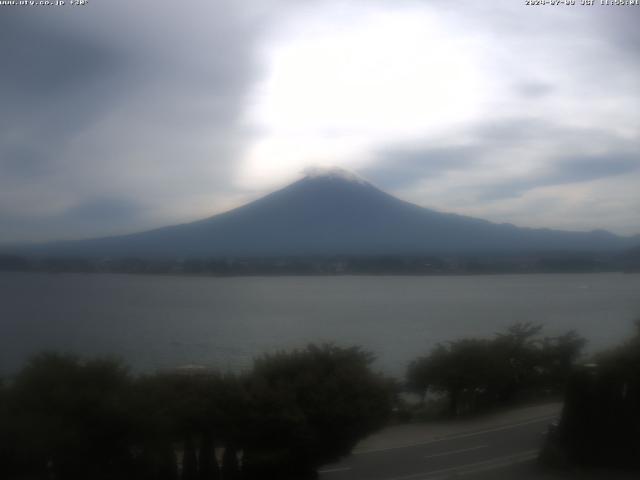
[336, 213]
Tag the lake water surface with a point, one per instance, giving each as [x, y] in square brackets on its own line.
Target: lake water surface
[163, 321]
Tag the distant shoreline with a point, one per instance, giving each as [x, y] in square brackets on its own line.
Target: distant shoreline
[314, 275]
[337, 265]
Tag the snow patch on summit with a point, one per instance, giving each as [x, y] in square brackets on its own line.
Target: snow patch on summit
[334, 173]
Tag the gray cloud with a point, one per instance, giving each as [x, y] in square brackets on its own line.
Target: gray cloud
[127, 115]
[492, 167]
[534, 90]
[398, 167]
[111, 211]
[566, 171]
[46, 61]
[401, 166]
[108, 215]
[121, 101]
[51, 85]
[619, 26]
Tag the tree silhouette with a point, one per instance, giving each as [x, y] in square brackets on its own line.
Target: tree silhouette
[70, 420]
[478, 372]
[600, 424]
[310, 407]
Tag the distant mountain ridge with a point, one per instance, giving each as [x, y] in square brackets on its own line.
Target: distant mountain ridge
[334, 212]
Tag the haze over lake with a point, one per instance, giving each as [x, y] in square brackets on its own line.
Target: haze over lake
[165, 321]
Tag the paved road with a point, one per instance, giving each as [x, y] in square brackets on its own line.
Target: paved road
[467, 453]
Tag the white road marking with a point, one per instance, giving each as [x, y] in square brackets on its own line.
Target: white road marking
[456, 436]
[471, 467]
[334, 470]
[453, 452]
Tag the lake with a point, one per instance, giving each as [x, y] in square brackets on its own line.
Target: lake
[163, 321]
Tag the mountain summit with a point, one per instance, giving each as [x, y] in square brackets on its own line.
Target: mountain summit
[333, 172]
[334, 212]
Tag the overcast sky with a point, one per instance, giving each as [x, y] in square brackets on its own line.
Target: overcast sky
[120, 116]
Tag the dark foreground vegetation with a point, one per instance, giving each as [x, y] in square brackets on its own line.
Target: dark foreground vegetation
[600, 424]
[549, 262]
[473, 375]
[63, 418]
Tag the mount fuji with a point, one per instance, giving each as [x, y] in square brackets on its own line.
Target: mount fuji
[334, 212]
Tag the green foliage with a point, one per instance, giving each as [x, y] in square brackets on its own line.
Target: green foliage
[65, 418]
[558, 355]
[68, 418]
[600, 424]
[6, 451]
[313, 405]
[476, 373]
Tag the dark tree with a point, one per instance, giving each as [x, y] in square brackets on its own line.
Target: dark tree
[310, 407]
[600, 423]
[476, 373]
[70, 419]
[460, 369]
